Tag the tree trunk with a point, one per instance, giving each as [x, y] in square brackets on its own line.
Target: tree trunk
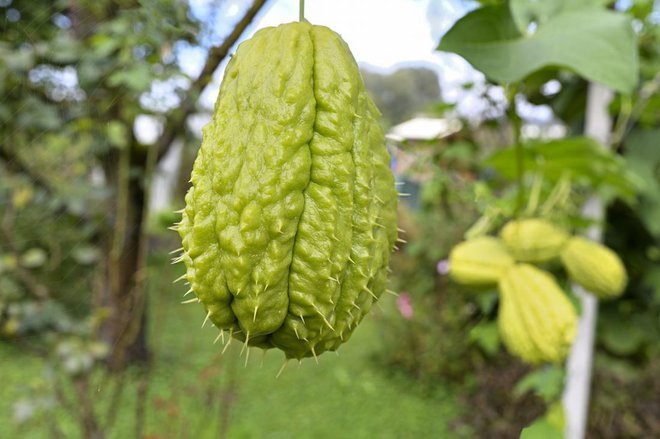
[121, 286]
[121, 290]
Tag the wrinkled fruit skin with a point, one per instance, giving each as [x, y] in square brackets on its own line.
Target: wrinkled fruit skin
[480, 261]
[595, 267]
[291, 217]
[533, 240]
[536, 320]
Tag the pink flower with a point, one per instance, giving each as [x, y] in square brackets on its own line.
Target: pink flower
[404, 303]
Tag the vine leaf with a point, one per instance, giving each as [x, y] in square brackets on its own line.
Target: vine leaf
[526, 12]
[593, 42]
[583, 159]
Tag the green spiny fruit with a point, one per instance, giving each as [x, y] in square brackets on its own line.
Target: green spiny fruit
[533, 240]
[291, 217]
[595, 267]
[479, 261]
[536, 320]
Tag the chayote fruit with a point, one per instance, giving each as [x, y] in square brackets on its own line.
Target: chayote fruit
[533, 240]
[536, 320]
[595, 267]
[291, 217]
[479, 261]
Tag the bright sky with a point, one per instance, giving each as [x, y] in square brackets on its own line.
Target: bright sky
[379, 33]
[382, 34]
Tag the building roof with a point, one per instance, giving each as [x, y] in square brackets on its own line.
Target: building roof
[424, 128]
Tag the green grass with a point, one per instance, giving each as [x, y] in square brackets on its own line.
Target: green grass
[343, 396]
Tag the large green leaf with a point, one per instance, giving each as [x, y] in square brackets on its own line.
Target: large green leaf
[525, 12]
[595, 43]
[582, 159]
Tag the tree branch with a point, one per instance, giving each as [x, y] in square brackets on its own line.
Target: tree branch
[176, 123]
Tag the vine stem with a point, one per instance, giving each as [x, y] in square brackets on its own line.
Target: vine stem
[301, 14]
[512, 113]
[630, 113]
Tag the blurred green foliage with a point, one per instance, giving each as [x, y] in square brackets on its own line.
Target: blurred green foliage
[561, 174]
[342, 396]
[582, 160]
[431, 342]
[399, 95]
[73, 77]
[73, 81]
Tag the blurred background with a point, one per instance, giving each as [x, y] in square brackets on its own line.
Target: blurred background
[101, 109]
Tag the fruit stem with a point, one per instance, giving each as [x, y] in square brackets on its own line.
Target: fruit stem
[301, 14]
[520, 153]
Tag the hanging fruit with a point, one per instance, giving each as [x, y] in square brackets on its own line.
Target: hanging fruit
[291, 217]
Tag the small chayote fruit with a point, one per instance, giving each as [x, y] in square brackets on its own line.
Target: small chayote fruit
[533, 239]
[291, 217]
[536, 320]
[479, 261]
[595, 267]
